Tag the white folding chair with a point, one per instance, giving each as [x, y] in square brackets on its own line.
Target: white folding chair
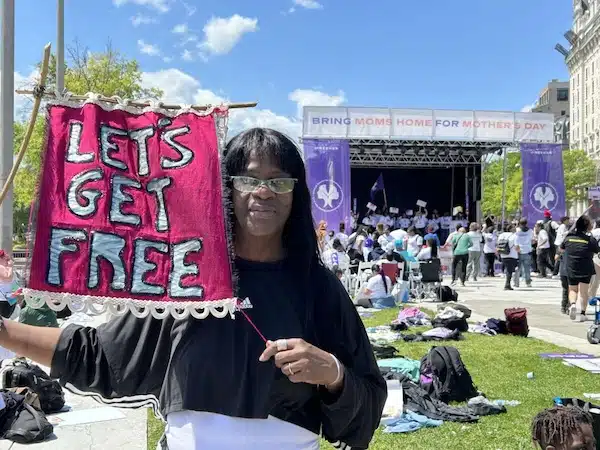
[364, 271]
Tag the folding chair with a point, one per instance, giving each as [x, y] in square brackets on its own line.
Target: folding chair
[431, 278]
[364, 271]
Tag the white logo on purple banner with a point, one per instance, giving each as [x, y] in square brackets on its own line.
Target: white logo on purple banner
[543, 196]
[328, 195]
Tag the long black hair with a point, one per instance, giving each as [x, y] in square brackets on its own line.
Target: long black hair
[377, 270]
[432, 244]
[299, 237]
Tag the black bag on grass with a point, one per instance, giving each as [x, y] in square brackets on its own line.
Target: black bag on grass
[450, 379]
[497, 325]
[453, 323]
[384, 351]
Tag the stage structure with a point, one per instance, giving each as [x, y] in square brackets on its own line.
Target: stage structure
[420, 138]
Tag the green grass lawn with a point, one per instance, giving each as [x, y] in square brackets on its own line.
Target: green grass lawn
[499, 367]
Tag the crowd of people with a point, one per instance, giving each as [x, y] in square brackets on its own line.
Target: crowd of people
[548, 248]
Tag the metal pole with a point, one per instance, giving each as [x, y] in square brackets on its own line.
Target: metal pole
[7, 107]
[474, 194]
[504, 186]
[452, 194]
[467, 197]
[60, 46]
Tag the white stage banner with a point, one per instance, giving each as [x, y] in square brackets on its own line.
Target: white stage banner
[426, 124]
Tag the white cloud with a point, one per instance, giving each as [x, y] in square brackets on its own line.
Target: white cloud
[23, 103]
[528, 108]
[148, 49]
[222, 34]
[309, 97]
[140, 19]
[167, 59]
[186, 55]
[308, 4]
[162, 6]
[182, 28]
[181, 88]
[190, 10]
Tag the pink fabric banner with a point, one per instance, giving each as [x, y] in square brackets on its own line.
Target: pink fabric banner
[131, 213]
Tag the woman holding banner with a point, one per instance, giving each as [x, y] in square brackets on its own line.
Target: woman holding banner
[219, 385]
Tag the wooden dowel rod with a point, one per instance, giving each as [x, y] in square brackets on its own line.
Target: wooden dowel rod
[30, 126]
[140, 104]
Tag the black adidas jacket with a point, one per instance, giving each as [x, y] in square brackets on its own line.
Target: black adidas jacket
[212, 364]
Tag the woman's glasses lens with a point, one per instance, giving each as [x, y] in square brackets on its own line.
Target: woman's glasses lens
[277, 185]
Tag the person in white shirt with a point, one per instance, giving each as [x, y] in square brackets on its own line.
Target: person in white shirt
[414, 242]
[399, 235]
[509, 252]
[386, 238]
[433, 225]
[379, 288]
[420, 222]
[428, 252]
[543, 250]
[473, 266]
[451, 236]
[524, 240]
[404, 222]
[489, 250]
[561, 233]
[342, 236]
[336, 256]
[445, 225]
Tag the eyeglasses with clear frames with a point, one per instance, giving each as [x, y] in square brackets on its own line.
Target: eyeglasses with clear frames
[248, 185]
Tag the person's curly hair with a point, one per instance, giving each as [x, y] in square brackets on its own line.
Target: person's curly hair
[553, 426]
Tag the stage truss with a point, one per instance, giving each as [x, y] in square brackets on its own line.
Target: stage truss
[385, 153]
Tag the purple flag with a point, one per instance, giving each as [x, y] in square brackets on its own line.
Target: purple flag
[543, 181]
[378, 186]
[328, 170]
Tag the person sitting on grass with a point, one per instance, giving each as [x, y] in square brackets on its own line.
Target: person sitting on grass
[563, 428]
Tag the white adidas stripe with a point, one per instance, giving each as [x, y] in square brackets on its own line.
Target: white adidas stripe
[133, 402]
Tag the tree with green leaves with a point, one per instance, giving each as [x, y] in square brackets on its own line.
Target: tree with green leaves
[107, 73]
[579, 169]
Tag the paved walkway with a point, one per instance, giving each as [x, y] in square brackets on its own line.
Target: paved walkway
[106, 427]
[487, 298]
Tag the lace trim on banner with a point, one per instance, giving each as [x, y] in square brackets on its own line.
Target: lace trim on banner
[125, 105]
[118, 306]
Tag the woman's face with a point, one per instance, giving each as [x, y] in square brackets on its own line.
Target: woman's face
[262, 212]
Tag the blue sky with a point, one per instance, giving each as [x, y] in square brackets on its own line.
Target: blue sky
[461, 54]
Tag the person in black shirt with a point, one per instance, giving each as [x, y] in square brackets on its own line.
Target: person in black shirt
[579, 248]
[315, 376]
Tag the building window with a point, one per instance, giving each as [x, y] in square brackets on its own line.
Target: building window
[562, 95]
[563, 113]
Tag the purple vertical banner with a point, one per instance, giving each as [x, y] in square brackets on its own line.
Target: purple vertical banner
[328, 174]
[543, 181]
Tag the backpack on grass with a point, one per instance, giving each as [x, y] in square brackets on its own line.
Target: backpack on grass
[516, 321]
[445, 377]
[20, 373]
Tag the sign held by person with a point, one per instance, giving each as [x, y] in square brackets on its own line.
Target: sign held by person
[130, 213]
